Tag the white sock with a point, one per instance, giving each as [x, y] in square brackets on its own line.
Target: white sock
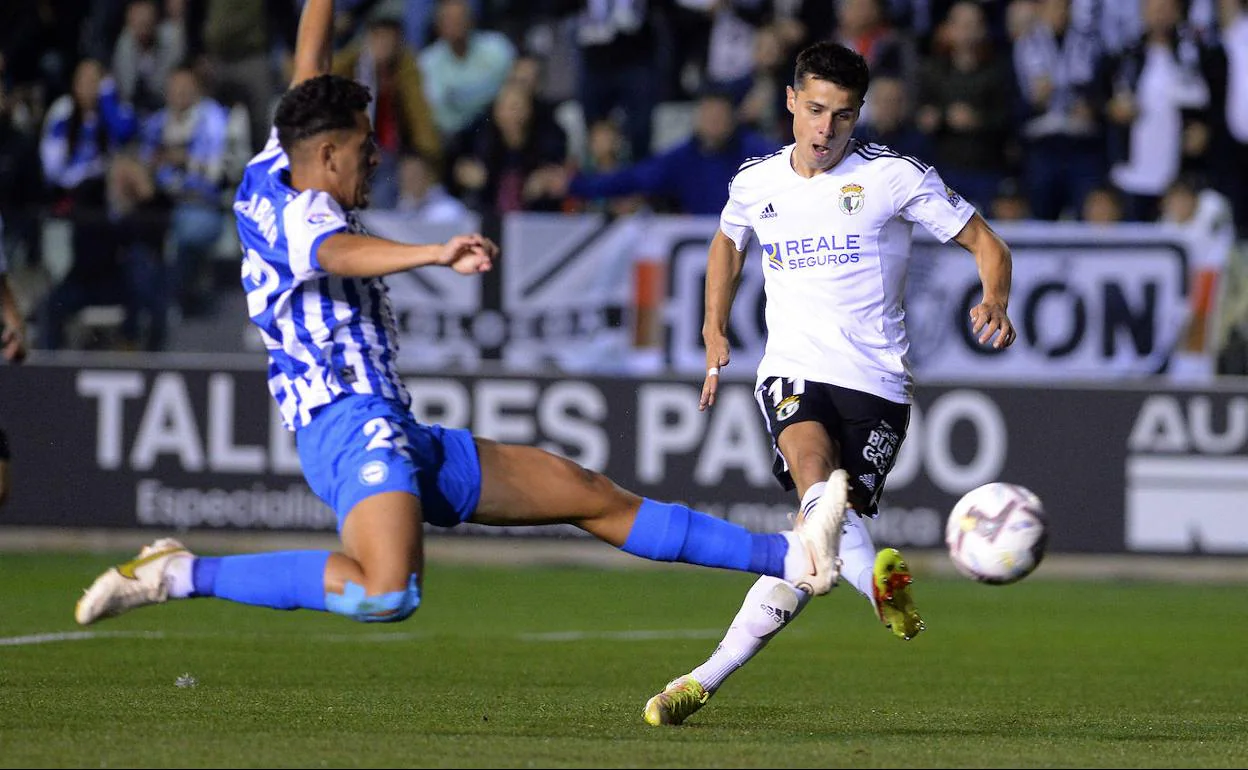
[179, 576]
[858, 555]
[812, 496]
[796, 559]
[769, 606]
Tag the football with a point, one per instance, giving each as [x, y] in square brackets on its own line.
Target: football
[997, 533]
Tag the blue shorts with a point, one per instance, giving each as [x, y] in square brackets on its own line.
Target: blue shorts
[362, 445]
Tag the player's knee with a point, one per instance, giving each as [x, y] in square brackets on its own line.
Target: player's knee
[603, 496]
[389, 607]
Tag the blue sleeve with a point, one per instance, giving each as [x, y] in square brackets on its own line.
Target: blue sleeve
[118, 116]
[650, 176]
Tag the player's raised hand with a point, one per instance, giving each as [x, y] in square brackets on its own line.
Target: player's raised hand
[990, 320]
[717, 356]
[469, 254]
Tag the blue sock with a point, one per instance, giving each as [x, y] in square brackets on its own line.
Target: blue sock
[673, 532]
[283, 580]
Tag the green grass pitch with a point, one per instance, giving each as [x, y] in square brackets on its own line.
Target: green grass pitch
[550, 667]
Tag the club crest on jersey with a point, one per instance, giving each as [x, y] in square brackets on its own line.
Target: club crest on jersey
[373, 473]
[772, 252]
[954, 198]
[786, 408]
[851, 199]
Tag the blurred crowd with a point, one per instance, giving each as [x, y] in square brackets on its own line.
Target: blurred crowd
[131, 120]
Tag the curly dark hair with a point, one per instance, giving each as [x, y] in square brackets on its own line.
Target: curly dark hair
[319, 104]
[834, 63]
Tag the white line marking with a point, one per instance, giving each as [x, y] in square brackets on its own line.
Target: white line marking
[621, 636]
[75, 636]
[381, 636]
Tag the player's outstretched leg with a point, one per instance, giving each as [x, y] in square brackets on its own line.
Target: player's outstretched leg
[647, 528]
[166, 569]
[375, 578]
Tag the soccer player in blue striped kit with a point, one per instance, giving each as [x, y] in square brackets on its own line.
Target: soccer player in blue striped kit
[314, 289]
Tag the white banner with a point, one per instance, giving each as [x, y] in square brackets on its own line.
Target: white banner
[568, 292]
[577, 295]
[1088, 303]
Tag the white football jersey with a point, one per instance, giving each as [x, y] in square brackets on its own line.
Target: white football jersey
[835, 249]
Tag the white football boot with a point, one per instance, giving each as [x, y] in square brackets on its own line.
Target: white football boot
[138, 582]
[820, 531]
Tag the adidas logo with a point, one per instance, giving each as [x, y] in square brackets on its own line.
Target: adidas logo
[868, 481]
[779, 615]
[768, 213]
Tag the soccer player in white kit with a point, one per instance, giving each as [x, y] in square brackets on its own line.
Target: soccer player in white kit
[834, 219]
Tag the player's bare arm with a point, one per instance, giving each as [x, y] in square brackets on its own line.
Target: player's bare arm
[992, 256]
[365, 256]
[313, 41]
[724, 263]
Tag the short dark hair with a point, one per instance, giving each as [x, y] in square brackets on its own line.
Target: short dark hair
[834, 63]
[319, 104]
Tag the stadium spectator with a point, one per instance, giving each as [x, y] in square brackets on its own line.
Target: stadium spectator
[403, 119]
[80, 131]
[731, 44]
[693, 176]
[864, 26]
[964, 98]
[1009, 204]
[507, 160]
[184, 147]
[1102, 206]
[232, 41]
[1230, 106]
[892, 122]
[20, 179]
[1063, 137]
[124, 265]
[528, 72]
[763, 106]
[464, 68]
[620, 47]
[607, 151]
[1157, 99]
[146, 52]
[422, 196]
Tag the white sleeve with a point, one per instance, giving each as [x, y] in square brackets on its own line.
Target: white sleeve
[310, 218]
[734, 221]
[936, 206]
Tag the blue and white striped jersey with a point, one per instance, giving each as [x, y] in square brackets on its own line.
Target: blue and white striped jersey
[326, 336]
